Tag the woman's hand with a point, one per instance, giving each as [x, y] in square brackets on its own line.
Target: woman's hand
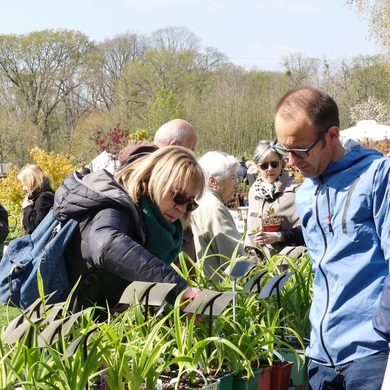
[265, 238]
[27, 202]
[189, 295]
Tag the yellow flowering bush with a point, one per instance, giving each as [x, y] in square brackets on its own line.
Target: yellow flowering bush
[57, 166]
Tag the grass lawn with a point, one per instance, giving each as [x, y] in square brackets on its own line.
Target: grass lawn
[7, 314]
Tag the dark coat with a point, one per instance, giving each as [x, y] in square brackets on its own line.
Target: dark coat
[4, 230]
[106, 250]
[34, 214]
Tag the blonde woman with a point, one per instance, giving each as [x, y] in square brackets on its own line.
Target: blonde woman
[39, 196]
[132, 225]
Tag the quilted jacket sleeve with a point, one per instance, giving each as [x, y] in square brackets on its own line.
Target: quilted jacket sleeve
[112, 248]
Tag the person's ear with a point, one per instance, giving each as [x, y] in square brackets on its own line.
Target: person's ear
[212, 182]
[334, 133]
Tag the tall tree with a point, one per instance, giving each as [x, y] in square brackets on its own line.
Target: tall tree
[301, 70]
[355, 80]
[179, 39]
[116, 54]
[171, 68]
[46, 70]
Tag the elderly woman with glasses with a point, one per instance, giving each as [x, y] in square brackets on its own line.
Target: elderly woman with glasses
[216, 236]
[273, 191]
[131, 225]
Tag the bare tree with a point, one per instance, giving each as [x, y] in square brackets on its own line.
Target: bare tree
[302, 70]
[179, 39]
[116, 54]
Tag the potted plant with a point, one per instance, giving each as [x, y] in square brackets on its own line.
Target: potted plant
[271, 223]
[50, 348]
[197, 349]
[296, 301]
[252, 339]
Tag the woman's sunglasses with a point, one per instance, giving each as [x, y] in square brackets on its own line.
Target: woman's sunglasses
[181, 199]
[274, 164]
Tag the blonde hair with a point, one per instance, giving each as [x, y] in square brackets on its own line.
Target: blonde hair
[34, 179]
[157, 173]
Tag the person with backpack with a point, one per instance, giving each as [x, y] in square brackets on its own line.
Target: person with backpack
[131, 225]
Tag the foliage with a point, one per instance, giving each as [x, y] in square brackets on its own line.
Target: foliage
[372, 109]
[114, 141]
[75, 89]
[56, 165]
[56, 349]
[44, 72]
[271, 218]
[294, 173]
[243, 189]
[298, 293]
[7, 314]
[192, 270]
[164, 107]
[140, 135]
[376, 12]
[382, 145]
[139, 350]
[11, 197]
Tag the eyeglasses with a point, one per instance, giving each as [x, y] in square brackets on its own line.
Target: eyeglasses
[234, 179]
[301, 153]
[181, 199]
[274, 164]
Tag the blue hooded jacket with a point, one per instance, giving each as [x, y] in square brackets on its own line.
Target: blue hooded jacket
[345, 217]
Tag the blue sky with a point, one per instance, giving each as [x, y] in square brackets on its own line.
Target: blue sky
[252, 33]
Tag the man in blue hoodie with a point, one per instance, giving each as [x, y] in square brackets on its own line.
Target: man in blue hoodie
[343, 205]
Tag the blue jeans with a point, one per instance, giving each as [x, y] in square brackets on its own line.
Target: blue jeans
[366, 373]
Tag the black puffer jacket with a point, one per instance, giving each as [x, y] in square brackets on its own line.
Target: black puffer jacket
[106, 249]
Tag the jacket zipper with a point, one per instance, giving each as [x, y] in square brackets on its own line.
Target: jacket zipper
[319, 263]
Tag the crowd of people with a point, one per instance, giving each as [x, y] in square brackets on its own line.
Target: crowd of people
[163, 200]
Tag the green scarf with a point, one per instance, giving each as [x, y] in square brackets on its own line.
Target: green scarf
[163, 238]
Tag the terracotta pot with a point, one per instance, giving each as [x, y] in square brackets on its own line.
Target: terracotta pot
[271, 228]
[280, 376]
[265, 378]
[299, 369]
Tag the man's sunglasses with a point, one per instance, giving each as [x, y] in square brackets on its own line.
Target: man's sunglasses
[301, 153]
[274, 164]
[181, 199]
